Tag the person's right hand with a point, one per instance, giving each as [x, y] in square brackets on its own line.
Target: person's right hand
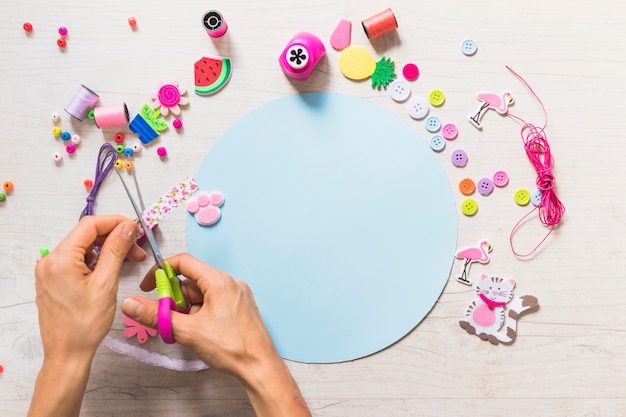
[225, 330]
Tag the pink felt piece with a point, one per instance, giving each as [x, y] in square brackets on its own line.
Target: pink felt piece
[193, 206]
[203, 199]
[135, 328]
[217, 199]
[341, 36]
[208, 215]
[484, 316]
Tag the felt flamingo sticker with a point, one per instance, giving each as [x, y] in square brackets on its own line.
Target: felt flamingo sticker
[499, 103]
[479, 253]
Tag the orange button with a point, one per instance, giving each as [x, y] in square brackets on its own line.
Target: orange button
[467, 186]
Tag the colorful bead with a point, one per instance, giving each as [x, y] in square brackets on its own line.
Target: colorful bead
[62, 31]
[128, 165]
[136, 147]
[44, 251]
[161, 151]
[177, 123]
[8, 186]
[119, 149]
[76, 139]
[56, 117]
[3, 197]
[28, 27]
[90, 114]
[88, 184]
[128, 152]
[66, 136]
[57, 131]
[118, 164]
[71, 148]
[57, 157]
[132, 22]
[119, 138]
[61, 43]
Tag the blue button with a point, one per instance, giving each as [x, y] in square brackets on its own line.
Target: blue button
[437, 143]
[535, 197]
[469, 47]
[433, 124]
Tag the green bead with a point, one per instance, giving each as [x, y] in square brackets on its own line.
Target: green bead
[44, 251]
[119, 149]
[90, 114]
[3, 197]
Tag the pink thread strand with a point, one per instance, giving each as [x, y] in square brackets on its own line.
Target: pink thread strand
[550, 209]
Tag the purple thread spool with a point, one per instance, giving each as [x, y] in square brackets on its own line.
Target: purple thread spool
[214, 24]
[84, 100]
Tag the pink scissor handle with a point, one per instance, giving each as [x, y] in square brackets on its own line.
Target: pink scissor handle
[164, 323]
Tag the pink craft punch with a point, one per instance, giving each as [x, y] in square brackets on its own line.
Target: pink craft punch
[301, 55]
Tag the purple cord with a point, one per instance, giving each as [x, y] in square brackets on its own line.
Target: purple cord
[106, 162]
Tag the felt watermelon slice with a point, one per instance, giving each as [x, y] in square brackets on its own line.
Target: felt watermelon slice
[211, 73]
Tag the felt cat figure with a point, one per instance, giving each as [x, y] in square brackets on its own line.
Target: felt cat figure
[487, 316]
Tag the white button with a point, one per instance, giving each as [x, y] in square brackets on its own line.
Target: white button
[399, 90]
[437, 143]
[417, 108]
[535, 197]
[468, 47]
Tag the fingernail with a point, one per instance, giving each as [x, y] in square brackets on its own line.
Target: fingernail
[132, 308]
[129, 231]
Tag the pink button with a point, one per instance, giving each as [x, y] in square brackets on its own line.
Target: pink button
[500, 179]
[410, 72]
[449, 131]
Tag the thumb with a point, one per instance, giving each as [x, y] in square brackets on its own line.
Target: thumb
[142, 310]
[117, 245]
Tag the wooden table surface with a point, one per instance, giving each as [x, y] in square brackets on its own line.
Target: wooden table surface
[569, 358]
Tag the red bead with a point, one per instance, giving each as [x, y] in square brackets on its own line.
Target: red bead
[62, 43]
[132, 22]
[28, 27]
[119, 138]
[88, 184]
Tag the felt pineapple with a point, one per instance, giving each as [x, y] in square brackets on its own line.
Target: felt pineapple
[356, 63]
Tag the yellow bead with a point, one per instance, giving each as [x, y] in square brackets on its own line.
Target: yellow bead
[118, 164]
[57, 131]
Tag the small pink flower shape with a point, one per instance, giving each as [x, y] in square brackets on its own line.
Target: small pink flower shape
[134, 328]
[169, 96]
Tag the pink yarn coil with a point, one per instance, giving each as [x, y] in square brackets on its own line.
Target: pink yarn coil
[550, 209]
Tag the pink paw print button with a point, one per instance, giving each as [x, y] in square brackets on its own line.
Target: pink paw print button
[206, 207]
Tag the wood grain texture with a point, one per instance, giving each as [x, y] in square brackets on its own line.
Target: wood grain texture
[569, 357]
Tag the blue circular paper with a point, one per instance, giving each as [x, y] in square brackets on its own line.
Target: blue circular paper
[340, 218]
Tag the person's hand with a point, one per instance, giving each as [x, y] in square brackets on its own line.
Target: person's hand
[76, 305]
[224, 329]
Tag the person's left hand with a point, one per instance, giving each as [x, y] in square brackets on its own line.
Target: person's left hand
[76, 305]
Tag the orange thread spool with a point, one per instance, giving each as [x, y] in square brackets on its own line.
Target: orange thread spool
[379, 24]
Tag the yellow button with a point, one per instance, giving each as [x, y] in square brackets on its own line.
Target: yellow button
[436, 98]
[469, 207]
[467, 186]
[522, 197]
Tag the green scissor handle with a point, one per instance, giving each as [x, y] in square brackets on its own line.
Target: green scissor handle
[177, 294]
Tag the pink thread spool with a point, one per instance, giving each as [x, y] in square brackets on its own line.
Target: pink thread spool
[379, 24]
[115, 115]
[81, 103]
[214, 24]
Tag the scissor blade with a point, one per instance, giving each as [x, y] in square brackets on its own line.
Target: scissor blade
[158, 258]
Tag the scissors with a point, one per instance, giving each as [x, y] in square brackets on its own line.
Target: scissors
[167, 282]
